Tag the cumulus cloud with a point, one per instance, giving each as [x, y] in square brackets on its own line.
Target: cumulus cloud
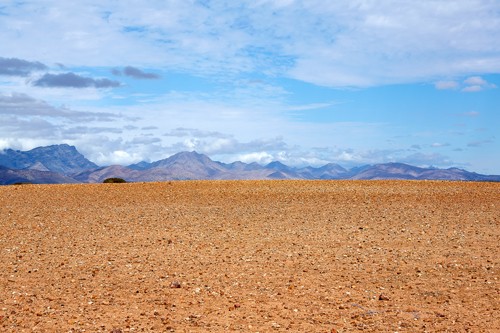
[135, 73]
[72, 80]
[476, 83]
[225, 145]
[117, 157]
[259, 157]
[19, 67]
[470, 84]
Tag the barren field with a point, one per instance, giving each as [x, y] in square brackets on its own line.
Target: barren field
[250, 256]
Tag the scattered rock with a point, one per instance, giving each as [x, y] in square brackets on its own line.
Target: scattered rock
[306, 265]
[175, 284]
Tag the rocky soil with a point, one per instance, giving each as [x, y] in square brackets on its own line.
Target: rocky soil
[250, 256]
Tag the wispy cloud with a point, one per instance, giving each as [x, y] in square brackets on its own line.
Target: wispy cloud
[22, 105]
[332, 44]
[19, 67]
[479, 143]
[426, 160]
[135, 73]
[193, 132]
[72, 80]
[447, 85]
[257, 79]
[439, 145]
[471, 114]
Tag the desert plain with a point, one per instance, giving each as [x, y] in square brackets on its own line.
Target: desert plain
[250, 256]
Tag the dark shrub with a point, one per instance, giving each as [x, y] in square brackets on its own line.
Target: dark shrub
[114, 180]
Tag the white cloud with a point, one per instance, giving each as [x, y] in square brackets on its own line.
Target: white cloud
[470, 84]
[259, 157]
[474, 88]
[8, 143]
[427, 160]
[446, 85]
[439, 145]
[335, 44]
[119, 157]
[19, 105]
[245, 52]
[476, 83]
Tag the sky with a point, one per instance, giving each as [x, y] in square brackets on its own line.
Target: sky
[302, 82]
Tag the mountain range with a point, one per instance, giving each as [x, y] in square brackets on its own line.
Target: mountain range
[64, 164]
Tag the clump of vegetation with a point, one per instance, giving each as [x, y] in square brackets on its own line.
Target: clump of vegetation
[114, 180]
[22, 183]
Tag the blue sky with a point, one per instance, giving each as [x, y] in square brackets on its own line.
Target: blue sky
[302, 82]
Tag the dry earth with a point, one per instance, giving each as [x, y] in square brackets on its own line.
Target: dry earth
[250, 256]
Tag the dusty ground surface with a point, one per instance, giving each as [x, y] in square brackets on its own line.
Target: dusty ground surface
[249, 256]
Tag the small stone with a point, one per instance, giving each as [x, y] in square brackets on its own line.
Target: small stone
[383, 297]
[175, 284]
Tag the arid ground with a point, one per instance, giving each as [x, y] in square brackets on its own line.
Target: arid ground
[251, 256]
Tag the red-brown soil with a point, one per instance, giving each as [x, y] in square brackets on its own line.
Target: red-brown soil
[250, 256]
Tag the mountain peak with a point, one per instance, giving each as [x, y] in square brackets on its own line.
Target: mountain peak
[277, 165]
[61, 158]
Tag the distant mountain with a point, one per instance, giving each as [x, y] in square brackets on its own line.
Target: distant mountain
[405, 171]
[328, 171]
[192, 166]
[64, 164]
[388, 171]
[10, 176]
[62, 159]
[98, 175]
